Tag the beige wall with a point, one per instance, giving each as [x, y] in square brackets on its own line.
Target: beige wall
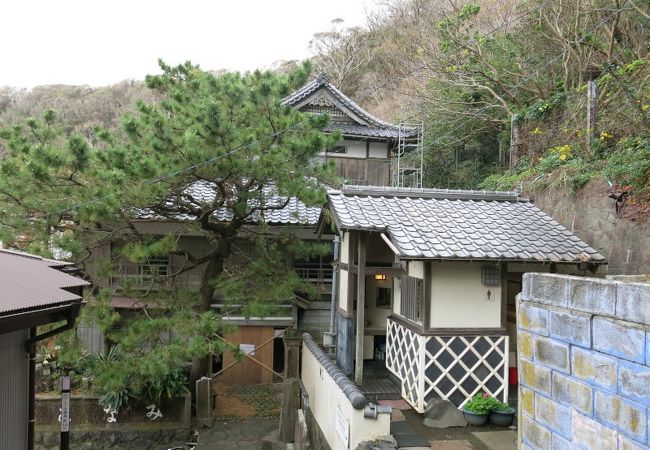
[325, 397]
[357, 149]
[378, 150]
[344, 248]
[343, 290]
[376, 316]
[459, 298]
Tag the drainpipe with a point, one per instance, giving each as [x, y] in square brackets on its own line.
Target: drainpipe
[330, 338]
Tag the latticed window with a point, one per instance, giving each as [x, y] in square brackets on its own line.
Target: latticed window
[157, 266]
[412, 290]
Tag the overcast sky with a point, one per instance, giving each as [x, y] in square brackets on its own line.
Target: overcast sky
[100, 42]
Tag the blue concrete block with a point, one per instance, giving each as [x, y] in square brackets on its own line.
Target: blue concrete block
[553, 415]
[533, 319]
[594, 368]
[552, 353]
[634, 382]
[592, 296]
[633, 302]
[619, 339]
[559, 443]
[628, 418]
[574, 327]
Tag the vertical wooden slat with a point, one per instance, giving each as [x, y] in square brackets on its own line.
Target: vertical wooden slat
[361, 301]
[14, 379]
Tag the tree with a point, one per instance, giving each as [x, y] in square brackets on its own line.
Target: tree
[216, 154]
[343, 54]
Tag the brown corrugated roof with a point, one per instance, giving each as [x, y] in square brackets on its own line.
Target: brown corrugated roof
[30, 282]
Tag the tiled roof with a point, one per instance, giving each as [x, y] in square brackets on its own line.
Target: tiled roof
[369, 126]
[28, 282]
[455, 224]
[294, 213]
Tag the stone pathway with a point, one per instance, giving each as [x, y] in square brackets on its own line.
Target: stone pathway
[236, 434]
[410, 433]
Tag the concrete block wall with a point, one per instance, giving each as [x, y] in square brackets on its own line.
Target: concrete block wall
[584, 363]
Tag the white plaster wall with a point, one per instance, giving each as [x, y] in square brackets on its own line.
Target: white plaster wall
[344, 248]
[458, 297]
[375, 315]
[343, 290]
[378, 150]
[324, 398]
[356, 149]
[397, 296]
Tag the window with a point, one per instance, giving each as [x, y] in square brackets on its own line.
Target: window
[157, 266]
[412, 292]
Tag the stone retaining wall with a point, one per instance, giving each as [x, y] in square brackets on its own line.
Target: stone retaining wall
[121, 437]
[584, 363]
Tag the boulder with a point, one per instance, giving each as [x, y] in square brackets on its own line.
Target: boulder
[443, 414]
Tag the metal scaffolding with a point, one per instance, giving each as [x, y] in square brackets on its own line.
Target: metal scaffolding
[408, 156]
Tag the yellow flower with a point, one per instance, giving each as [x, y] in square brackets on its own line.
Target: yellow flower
[537, 131]
[563, 156]
[605, 135]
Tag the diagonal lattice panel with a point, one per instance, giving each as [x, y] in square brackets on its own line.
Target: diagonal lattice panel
[403, 355]
[457, 367]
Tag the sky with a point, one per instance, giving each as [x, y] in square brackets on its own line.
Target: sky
[101, 42]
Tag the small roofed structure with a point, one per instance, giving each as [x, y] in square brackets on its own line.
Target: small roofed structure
[372, 151]
[428, 280]
[33, 291]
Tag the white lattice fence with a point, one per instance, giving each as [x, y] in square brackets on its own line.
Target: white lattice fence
[450, 367]
[405, 360]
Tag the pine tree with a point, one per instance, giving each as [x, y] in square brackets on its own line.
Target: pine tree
[213, 156]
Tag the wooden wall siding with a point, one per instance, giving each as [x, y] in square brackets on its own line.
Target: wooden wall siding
[247, 372]
[412, 290]
[14, 387]
[373, 172]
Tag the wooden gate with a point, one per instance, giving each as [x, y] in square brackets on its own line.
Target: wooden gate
[255, 367]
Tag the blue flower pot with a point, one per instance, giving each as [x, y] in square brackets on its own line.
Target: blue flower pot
[502, 418]
[475, 419]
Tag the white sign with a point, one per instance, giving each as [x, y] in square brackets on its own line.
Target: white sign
[65, 411]
[342, 427]
[154, 412]
[247, 349]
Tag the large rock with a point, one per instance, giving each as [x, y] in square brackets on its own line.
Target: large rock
[443, 414]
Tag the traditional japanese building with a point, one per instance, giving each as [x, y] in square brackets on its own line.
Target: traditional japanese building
[428, 280]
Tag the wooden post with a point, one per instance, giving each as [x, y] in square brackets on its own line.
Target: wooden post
[514, 143]
[592, 95]
[361, 303]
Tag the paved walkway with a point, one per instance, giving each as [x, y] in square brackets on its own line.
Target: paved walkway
[240, 434]
[411, 434]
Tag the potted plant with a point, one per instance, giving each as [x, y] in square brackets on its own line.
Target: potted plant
[476, 410]
[501, 413]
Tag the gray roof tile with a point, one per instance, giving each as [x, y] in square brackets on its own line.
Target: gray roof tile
[372, 126]
[294, 213]
[435, 223]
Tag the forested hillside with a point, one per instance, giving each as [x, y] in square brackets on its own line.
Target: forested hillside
[504, 83]
[500, 85]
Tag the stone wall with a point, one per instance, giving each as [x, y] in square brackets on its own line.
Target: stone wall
[584, 363]
[592, 215]
[113, 437]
